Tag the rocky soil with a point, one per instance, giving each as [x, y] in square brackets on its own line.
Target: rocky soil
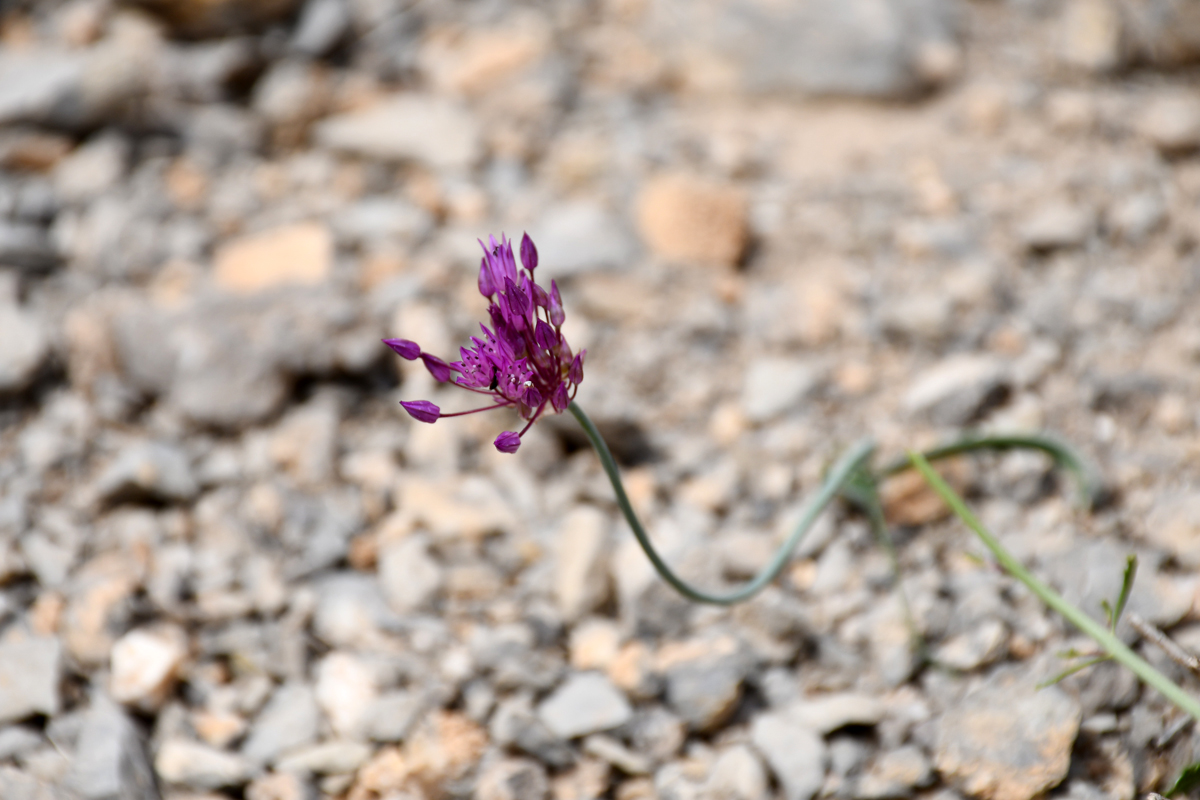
[232, 567]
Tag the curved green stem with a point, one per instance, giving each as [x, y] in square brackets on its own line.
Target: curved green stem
[1086, 481]
[843, 471]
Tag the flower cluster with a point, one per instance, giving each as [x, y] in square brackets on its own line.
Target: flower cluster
[522, 361]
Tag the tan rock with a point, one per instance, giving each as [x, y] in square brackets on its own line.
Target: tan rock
[145, 663]
[685, 218]
[98, 606]
[594, 644]
[908, 499]
[293, 254]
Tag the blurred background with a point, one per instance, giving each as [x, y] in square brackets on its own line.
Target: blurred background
[232, 567]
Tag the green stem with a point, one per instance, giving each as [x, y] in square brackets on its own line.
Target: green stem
[842, 472]
[1086, 481]
[1101, 635]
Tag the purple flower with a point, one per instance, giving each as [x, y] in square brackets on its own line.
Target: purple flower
[522, 361]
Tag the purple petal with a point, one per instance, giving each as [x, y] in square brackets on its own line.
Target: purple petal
[508, 442]
[439, 369]
[556, 307]
[560, 399]
[422, 410]
[486, 287]
[404, 348]
[532, 398]
[575, 374]
[529, 255]
[540, 298]
[544, 335]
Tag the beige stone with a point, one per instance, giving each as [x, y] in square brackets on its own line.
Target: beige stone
[145, 664]
[685, 218]
[294, 254]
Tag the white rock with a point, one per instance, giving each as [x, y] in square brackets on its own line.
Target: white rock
[346, 692]
[586, 703]
[403, 127]
[1056, 225]
[827, 714]
[408, 574]
[326, 758]
[955, 389]
[145, 663]
[29, 678]
[774, 385]
[23, 347]
[199, 766]
[581, 577]
[580, 236]
[795, 754]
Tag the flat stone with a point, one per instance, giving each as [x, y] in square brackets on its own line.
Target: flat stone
[280, 786]
[1174, 525]
[582, 581]
[145, 663]
[1008, 740]
[290, 720]
[795, 754]
[321, 26]
[828, 713]
[1055, 226]
[739, 774]
[30, 672]
[300, 254]
[92, 169]
[1093, 36]
[199, 766]
[1172, 123]
[860, 48]
[326, 758]
[704, 680]
[424, 128]
[684, 218]
[37, 82]
[513, 779]
[895, 774]
[957, 389]
[346, 692]
[408, 574]
[585, 703]
[111, 761]
[969, 650]
[24, 347]
[147, 471]
[351, 609]
[774, 385]
[514, 724]
[27, 246]
[393, 714]
[578, 237]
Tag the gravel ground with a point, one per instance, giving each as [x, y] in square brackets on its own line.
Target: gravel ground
[232, 567]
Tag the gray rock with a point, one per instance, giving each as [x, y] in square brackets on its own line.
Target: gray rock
[111, 762]
[512, 779]
[30, 671]
[288, 721]
[608, 749]
[322, 25]
[585, 703]
[376, 220]
[957, 389]
[207, 71]
[775, 385]
[1056, 226]
[582, 581]
[515, 724]
[982, 644]
[199, 766]
[738, 774]
[37, 84]
[417, 127]
[223, 131]
[335, 757]
[350, 609]
[393, 715]
[24, 347]
[795, 754]
[408, 574]
[151, 471]
[1137, 216]
[1008, 739]
[829, 713]
[581, 236]
[26, 246]
[93, 169]
[895, 775]
[705, 689]
[858, 48]
[16, 740]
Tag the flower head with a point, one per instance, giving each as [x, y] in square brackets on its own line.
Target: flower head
[522, 361]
